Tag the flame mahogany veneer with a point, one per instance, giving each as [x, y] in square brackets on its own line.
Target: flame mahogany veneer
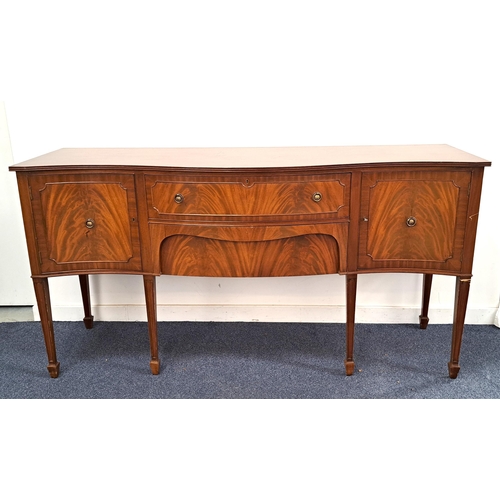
[251, 212]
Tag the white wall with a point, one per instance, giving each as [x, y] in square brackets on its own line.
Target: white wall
[273, 73]
[15, 283]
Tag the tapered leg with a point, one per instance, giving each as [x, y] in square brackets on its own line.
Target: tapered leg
[426, 295]
[150, 292]
[351, 285]
[461, 297]
[43, 300]
[84, 287]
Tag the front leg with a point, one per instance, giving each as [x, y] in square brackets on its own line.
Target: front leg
[43, 301]
[150, 293]
[461, 298]
[351, 285]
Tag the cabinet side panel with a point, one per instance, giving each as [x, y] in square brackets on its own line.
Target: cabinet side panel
[28, 220]
[472, 220]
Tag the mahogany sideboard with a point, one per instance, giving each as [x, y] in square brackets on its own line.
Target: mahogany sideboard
[248, 212]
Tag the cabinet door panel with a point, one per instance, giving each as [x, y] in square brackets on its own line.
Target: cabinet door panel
[413, 219]
[86, 224]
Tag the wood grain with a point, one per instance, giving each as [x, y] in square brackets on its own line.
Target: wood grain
[297, 256]
[248, 234]
[437, 204]
[247, 197]
[65, 242]
[433, 206]
[70, 239]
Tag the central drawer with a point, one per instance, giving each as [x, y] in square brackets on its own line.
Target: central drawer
[247, 196]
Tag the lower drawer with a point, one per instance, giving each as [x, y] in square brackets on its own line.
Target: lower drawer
[239, 250]
[304, 255]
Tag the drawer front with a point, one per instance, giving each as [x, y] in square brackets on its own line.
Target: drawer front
[303, 255]
[240, 250]
[250, 197]
[413, 219]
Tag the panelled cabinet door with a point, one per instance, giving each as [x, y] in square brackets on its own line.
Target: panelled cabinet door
[86, 222]
[413, 220]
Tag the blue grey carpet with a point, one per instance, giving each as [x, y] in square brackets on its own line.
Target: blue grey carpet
[248, 360]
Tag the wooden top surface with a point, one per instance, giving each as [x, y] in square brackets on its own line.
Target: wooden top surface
[252, 157]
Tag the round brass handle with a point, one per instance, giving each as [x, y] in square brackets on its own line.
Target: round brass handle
[89, 224]
[317, 197]
[178, 198]
[411, 221]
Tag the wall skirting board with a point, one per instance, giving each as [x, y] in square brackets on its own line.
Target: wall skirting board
[270, 313]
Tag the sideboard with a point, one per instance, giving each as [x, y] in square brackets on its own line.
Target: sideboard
[249, 212]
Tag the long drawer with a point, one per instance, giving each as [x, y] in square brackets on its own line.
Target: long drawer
[244, 197]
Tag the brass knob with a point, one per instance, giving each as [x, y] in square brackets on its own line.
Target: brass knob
[178, 198]
[411, 221]
[89, 224]
[317, 197]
